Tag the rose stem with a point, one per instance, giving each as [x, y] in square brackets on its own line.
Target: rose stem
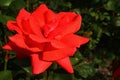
[6, 55]
[6, 60]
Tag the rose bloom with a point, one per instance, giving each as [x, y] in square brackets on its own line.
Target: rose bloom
[45, 37]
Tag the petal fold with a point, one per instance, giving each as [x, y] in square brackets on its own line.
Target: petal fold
[39, 39]
[39, 14]
[23, 14]
[67, 25]
[12, 25]
[20, 52]
[49, 16]
[18, 40]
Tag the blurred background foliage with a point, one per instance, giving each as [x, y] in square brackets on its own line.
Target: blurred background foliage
[93, 61]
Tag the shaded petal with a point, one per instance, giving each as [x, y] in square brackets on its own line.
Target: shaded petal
[20, 52]
[53, 55]
[23, 21]
[50, 27]
[31, 43]
[39, 39]
[74, 40]
[39, 14]
[12, 25]
[49, 47]
[26, 27]
[38, 66]
[65, 64]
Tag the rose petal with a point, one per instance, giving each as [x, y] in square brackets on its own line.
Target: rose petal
[53, 55]
[73, 26]
[12, 25]
[74, 40]
[34, 25]
[18, 40]
[50, 27]
[51, 22]
[23, 15]
[8, 46]
[23, 21]
[66, 17]
[67, 26]
[65, 64]
[49, 16]
[58, 44]
[39, 14]
[26, 27]
[38, 66]
[39, 39]
[33, 44]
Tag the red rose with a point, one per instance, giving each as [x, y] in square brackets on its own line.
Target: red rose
[45, 37]
[116, 73]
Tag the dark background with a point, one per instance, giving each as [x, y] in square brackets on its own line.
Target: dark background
[94, 61]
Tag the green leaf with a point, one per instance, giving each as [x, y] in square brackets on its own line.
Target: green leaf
[77, 58]
[98, 61]
[116, 21]
[16, 5]
[104, 64]
[74, 61]
[5, 18]
[24, 64]
[110, 5]
[5, 2]
[93, 14]
[78, 55]
[111, 56]
[68, 4]
[6, 75]
[85, 70]
[76, 10]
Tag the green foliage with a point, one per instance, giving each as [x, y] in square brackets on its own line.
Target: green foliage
[5, 18]
[4, 3]
[100, 23]
[6, 75]
[85, 70]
